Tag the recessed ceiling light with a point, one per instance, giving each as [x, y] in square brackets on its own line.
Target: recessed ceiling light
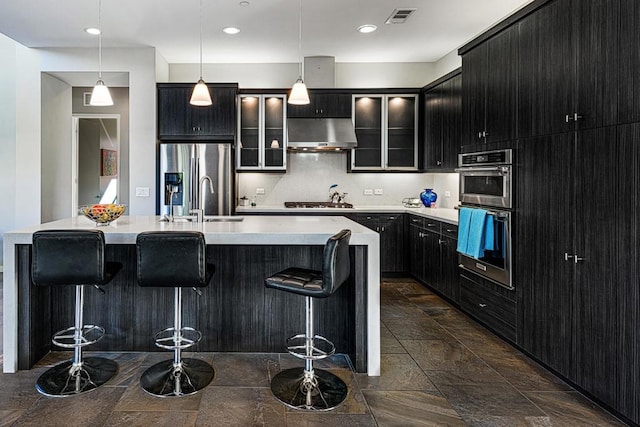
[231, 30]
[244, 3]
[367, 28]
[92, 31]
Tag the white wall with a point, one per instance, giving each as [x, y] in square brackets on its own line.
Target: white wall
[140, 63]
[348, 75]
[309, 176]
[56, 149]
[19, 136]
[448, 63]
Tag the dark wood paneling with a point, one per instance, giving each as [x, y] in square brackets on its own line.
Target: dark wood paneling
[235, 313]
[543, 279]
[546, 70]
[596, 28]
[474, 81]
[323, 103]
[629, 95]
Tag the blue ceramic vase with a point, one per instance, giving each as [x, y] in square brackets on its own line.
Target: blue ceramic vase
[428, 196]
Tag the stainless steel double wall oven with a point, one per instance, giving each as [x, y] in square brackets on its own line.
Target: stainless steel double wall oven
[486, 180]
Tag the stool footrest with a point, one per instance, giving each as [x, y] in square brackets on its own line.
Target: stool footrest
[315, 348]
[88, 334]
[174, 339]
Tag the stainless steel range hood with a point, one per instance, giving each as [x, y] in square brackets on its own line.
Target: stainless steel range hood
[321, 134]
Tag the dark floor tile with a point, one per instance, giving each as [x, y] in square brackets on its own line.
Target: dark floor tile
[485, 344]
[489, 399]
[307, 419]
[442, 355]
[245, 369]
[398, 309]
[389, 344]
[398, 372]
[526, 375]
[337, 361]
[419, 327]
[411, 408]
[151, 418]
[88, 409]
[136, 399]
[506, 421]
[7, 418]
[18, 391]
[128, 367]
[239, 406]
[571, 408]
[470, 375]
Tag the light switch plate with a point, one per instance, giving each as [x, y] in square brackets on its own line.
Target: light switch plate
[378, 191]
[259, 190]
[142, 191]
[368, 192]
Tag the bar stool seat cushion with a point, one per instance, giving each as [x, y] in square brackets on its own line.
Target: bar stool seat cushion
[318, 284]
[173, 259]
[71, 257]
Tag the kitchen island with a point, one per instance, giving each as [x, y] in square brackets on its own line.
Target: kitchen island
[235, 313]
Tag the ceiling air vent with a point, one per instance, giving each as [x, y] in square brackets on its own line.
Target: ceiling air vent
[399, 16]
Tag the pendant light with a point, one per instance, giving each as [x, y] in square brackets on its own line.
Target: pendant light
[299, 94]
[100, 97]
[200, 96]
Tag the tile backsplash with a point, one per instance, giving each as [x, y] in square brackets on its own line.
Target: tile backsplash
[309, 176]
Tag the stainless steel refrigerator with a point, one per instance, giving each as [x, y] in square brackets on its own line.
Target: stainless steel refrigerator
[183, 168]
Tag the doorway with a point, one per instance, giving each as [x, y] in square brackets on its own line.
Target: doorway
[96, 159]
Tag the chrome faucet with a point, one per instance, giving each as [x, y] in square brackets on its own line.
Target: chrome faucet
[199, 211]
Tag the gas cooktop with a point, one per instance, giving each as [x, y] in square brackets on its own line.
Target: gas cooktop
[317, 205]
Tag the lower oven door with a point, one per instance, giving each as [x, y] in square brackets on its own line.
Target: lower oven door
[495, 265]
[486, 186]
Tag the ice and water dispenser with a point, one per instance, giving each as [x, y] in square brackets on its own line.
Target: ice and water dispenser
[173, 189]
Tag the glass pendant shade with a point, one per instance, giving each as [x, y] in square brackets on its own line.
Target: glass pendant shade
[299, 94]
[100, 97]
[201, 96]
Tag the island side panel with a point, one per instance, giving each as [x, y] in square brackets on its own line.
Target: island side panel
[235, 313]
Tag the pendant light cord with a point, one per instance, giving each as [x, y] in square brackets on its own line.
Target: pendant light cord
[300, 40]
[200, 39]
[100, 39]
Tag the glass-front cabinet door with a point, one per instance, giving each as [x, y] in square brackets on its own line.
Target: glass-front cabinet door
[262, 133]
[386, 130]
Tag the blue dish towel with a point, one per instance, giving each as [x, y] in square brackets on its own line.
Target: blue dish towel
[464, 222]
[477, 228]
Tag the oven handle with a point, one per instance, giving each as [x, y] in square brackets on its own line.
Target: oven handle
[500, 169]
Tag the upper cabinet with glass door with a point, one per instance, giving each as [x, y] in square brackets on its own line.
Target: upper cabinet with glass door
[387, 132]
[262, 133]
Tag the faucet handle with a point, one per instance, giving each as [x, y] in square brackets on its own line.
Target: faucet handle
[199, 214]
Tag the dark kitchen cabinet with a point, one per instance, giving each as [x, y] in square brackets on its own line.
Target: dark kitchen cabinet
[433, 255]
[179, 120]
[489, 89]
[392, 242]
[629, 78]
[442, 117]
[262, 140]
[386, 127]
[323, 104]
[569, 67]
[577, 264]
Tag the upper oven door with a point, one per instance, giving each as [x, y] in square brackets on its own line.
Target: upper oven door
[486, 185]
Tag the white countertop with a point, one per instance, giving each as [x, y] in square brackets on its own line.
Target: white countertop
[252, 230]
[442, 214]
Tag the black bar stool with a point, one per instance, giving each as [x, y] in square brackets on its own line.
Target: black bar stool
[306, 388]
[73, 257]
[177, 260]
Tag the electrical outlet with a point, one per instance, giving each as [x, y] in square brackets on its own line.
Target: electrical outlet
[447, 194]
[368, 192]
[142, 191]
[259, 190]
[378, 191]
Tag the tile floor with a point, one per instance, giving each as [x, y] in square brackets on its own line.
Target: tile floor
[439, 368]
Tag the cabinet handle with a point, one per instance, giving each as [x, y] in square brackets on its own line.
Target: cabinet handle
[450, 230]
[485, 134]
[430, 224]
[576, 117]
[572, 117]
[415, 220]
[482, 305]
[438, 163]
[479, 134]
[442, 242]
[382, 229]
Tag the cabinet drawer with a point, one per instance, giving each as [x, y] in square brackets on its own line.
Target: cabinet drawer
[416, 221]
[450, 230]
[432, 225]
[488, 306]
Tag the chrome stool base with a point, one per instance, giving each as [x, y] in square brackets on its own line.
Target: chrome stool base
[163, 380]
[63, 380]
[322, 391]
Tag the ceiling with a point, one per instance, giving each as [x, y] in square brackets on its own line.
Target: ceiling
[269, 28]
